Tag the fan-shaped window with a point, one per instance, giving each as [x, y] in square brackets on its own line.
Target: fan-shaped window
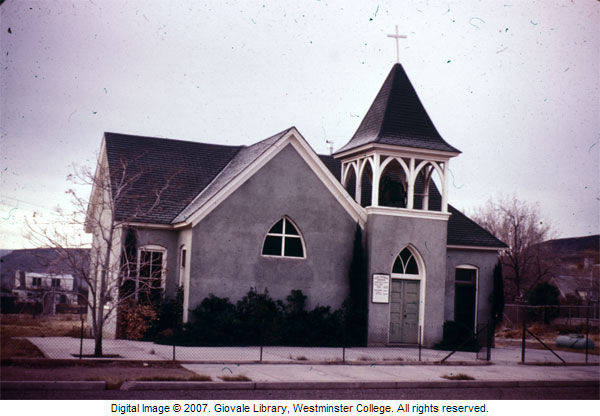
[283, 240]
[405, 263]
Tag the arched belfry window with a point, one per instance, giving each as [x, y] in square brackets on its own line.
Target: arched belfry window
[283, 240]
[405, 263]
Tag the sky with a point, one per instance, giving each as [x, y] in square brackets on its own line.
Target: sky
[513, 84]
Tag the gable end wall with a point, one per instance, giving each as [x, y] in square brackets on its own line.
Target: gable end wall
[226, 255]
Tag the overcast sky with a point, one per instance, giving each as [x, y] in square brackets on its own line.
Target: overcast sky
[513, 84]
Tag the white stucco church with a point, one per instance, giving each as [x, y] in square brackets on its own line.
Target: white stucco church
[277, 215]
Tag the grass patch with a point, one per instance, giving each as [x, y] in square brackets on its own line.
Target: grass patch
[301, 358]
[365, 358]
[239, 377]
[458, 376]
[394, 359]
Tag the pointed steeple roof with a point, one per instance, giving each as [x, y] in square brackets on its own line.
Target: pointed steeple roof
[397, 117]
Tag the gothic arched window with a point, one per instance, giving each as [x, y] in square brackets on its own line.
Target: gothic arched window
[283, 240]
[405, 263]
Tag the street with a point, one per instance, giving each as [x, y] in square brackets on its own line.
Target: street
[591, 392]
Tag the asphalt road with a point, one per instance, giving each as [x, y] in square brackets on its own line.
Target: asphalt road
[495, 393]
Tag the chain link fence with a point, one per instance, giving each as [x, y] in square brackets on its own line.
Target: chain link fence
[551, 333]
[543, 334]
[65, 336]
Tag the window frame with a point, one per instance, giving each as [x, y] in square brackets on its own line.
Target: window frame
[163, 270]
[474, 283]
[283, 236]
[404, 275]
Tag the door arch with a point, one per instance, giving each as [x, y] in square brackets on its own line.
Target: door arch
[407, 298]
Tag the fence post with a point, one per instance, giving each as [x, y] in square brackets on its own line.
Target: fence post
[261, 352]
[81, 338]
[420, 342]
[587, 332]
[344, 354]
[490, 336]
[523, 339]
[173, 352]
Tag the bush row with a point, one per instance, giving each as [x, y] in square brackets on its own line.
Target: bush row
[256, 319]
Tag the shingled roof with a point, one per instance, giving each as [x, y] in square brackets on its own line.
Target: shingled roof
[462, 231]
[174, 171]
[191, 173]
[397, 117]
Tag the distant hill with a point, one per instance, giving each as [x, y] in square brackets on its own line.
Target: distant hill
[577, 256]
[589, 244]
[4, 252]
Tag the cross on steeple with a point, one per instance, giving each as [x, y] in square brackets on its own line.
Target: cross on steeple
[397, 36]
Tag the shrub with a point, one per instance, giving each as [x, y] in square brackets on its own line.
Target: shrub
[169, 322]
[257, 319]
[541, 295]
[136, 319]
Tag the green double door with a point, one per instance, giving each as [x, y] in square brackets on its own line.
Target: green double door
[404, 311]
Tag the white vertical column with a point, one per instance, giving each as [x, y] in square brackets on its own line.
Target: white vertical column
[358, 182]
[411, 183]
[344, 174]
[376, 177]
[445, 187]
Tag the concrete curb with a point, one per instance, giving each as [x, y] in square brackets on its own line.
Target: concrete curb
[187, 385]
[334, 385]
[53, 385]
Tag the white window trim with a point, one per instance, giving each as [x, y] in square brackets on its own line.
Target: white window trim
[470, 267]
[421, 277]
[283, 236]
[163, 271]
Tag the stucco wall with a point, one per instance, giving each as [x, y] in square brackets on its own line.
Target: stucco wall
[226, 245]
[387, 235]
[485, 262]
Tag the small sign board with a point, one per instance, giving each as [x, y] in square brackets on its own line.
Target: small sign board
[381, 288]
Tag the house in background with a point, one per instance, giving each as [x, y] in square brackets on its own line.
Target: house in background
[275, 215]
[577, 290]
[43, 276]
[36, 286]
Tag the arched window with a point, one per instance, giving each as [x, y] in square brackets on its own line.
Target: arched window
[405, 263]
[283, 240]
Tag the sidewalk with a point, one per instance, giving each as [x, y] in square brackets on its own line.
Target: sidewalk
[395, 373]
[68, 348]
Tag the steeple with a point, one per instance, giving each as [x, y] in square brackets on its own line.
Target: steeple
[391, 163]
[397, 117]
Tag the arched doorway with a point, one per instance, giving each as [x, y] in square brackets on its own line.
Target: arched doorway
[407, 298]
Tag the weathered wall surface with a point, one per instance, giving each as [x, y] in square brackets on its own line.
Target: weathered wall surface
[226, 245]
[485, 262]
[387, 235]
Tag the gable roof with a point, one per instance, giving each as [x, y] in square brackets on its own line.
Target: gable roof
[397, 117]
[237, 164]
[571, 285]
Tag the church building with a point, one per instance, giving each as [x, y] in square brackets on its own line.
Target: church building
[275, 215]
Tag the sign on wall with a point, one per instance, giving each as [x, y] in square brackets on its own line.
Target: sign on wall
[381, 288]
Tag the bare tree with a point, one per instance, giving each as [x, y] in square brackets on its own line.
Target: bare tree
[519, 224]
[118, 198]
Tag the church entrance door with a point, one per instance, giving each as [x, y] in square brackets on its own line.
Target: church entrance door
[404, 311]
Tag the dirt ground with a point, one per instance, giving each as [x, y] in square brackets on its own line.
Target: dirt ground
[114, 373]
[14, 326]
